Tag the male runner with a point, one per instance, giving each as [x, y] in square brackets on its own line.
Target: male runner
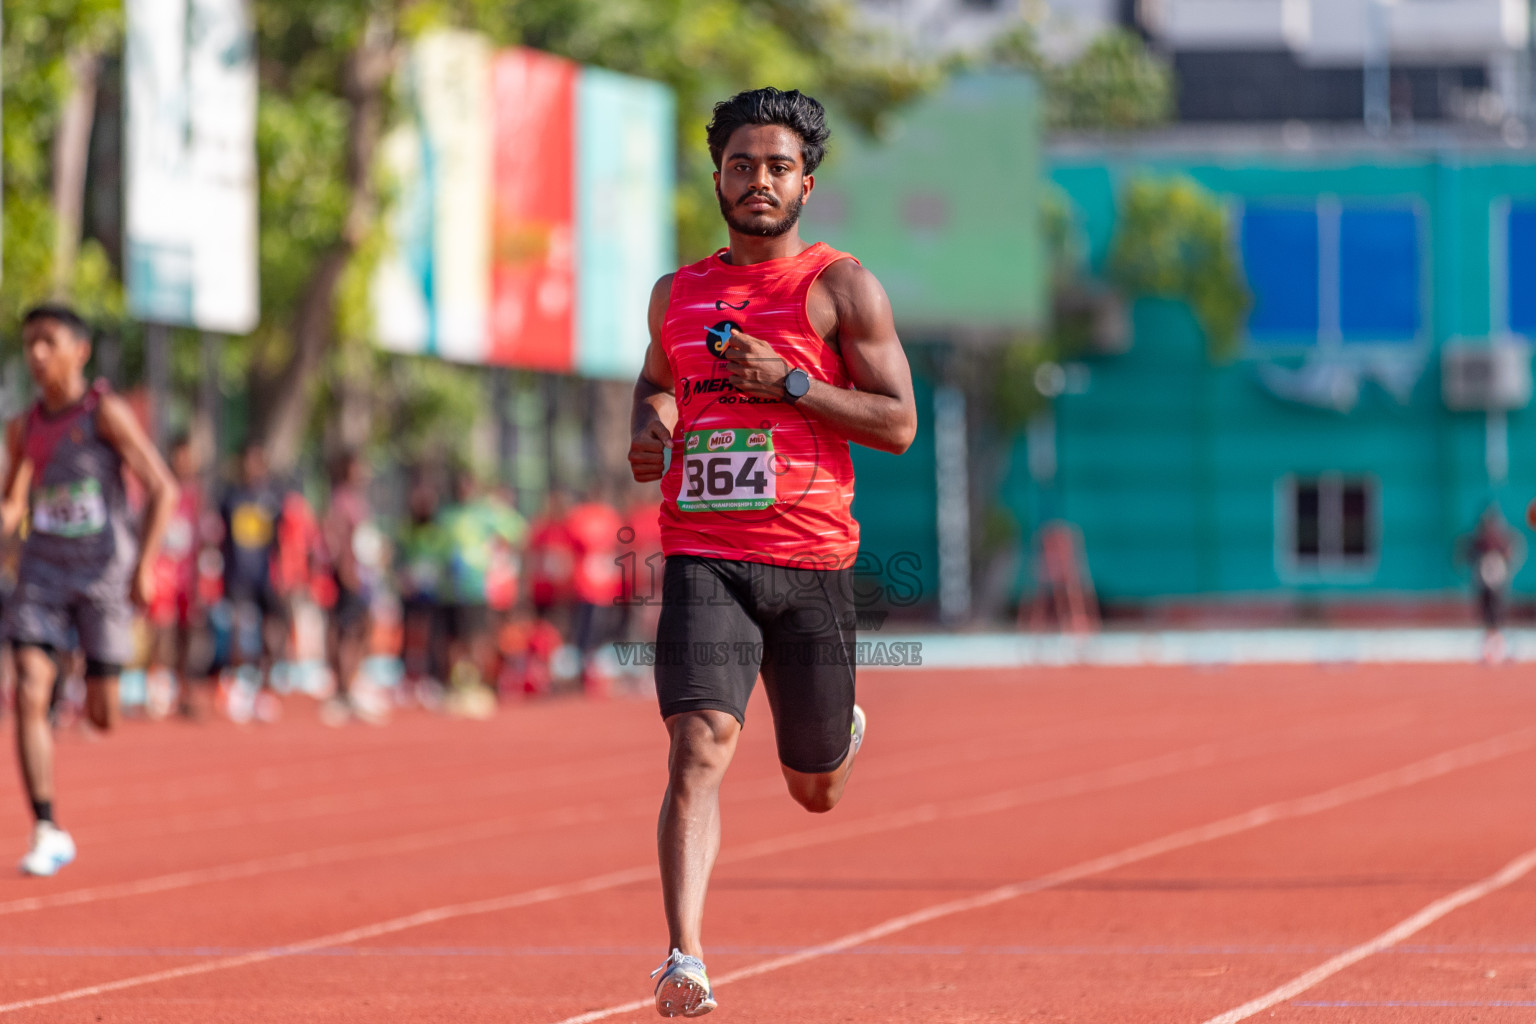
[80, 564]
[766, 360]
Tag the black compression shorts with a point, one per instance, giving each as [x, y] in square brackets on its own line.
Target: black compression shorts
[724, 621]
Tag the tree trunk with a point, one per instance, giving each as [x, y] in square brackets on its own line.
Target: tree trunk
[284, 398]
[71, 151]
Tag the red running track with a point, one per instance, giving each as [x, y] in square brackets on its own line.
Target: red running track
[1292, 845]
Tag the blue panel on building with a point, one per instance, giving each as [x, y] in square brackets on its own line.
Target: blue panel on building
[1280, 259]
[1379, 282]
[1522, 269]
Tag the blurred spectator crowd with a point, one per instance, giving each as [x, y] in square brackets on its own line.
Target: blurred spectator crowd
[460, 607]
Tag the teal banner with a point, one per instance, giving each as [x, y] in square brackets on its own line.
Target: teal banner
[625, 238]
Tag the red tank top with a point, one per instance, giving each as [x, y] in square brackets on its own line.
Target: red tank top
[753, 479]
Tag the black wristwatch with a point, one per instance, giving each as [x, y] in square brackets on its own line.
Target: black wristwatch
[796, 384]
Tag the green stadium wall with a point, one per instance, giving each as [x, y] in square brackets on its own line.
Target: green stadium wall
[1170, 464]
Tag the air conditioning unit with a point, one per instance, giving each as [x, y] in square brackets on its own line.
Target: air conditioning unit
[1486, 376]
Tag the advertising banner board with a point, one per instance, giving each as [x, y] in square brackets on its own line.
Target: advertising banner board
[624, 195]
[191, 257]
[945, 209]
[431, 294]
[531, 216]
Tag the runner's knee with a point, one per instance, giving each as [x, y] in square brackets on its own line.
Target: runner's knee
[34, 681]
[32, 696]
[102, 714]
[101, 708]
[702, 745]
[816, 793]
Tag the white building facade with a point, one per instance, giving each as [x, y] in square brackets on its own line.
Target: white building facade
[1378, 61]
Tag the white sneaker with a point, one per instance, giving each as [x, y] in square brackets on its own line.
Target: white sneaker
[683, 989]
[52, 848]
[860, 723]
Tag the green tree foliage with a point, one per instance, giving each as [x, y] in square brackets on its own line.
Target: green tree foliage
[39, 36]
[1175, 241]
[325, 68]
[1115, 83]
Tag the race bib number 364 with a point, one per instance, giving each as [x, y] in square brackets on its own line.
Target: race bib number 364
[70, 510]
[727, 470]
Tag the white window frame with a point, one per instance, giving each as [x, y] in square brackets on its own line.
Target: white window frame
[1330, 566]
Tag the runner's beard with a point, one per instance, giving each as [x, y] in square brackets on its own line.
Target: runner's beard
[774, 230]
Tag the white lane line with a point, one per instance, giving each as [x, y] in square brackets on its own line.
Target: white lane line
[412, 843]
[1130, 773]
[1375, 785]
[618, 765]
[360, 934]
[1118, 775]
[1419, 771]
[942, 755]
[246, 813]
[1511, 872]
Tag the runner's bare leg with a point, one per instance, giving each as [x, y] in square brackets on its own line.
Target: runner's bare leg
[688, 834]
[101, 705]
[35, 671]
[819, 793]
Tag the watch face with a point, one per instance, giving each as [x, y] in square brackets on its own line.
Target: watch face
[797, 383]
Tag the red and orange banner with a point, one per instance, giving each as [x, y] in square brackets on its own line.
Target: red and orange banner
[494, 257]
[533, 211]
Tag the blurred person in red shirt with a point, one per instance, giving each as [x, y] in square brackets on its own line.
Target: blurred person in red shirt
[177, 608]
[596, 582]
[300, 568]
[551, 557]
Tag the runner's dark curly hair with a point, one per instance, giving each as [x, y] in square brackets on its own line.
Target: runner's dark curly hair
[60, 313]
[793, 110]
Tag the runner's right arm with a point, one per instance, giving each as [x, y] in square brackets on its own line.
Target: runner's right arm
[655, 409]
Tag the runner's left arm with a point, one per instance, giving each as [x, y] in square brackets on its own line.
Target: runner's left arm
[121, 430]
[879, 411]
[18, 479]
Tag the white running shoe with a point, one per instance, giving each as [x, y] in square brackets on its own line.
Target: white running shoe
[684, 989]
[860, 723]
[52, 848]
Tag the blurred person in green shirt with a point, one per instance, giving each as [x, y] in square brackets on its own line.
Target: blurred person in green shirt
[480, 535]
[419, 570]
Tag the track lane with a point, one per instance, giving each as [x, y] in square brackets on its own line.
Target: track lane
[741, 795]
[631, 911]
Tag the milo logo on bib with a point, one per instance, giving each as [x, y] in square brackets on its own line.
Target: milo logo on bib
[69, 510]
[727, 470]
